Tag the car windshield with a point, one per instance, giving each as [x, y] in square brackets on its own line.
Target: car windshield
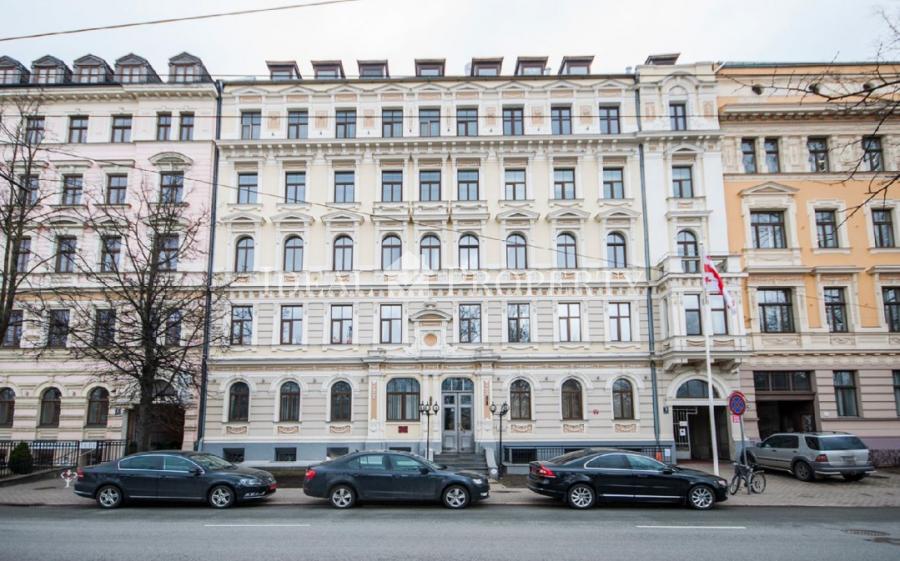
[566, 458]
[831, 443]
[208, 461]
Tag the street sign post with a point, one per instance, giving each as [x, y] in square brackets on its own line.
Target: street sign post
[737, 404]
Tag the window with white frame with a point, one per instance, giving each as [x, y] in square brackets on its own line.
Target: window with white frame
[619, 321]
[569, 322]
[391, 324]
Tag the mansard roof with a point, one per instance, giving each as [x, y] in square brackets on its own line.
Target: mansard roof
[132, 59]
[9, 62]
[90, 60]
[49, 60]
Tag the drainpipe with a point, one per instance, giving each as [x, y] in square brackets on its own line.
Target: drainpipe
[204, 362]
[648, 268]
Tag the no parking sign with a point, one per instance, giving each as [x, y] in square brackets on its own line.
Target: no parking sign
[737, 403]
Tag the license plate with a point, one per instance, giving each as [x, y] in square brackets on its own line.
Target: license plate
[849, 459]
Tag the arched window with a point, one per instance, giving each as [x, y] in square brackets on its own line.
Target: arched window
[615, 251]
[293, 254]
[243, 255]
[403, 400]
[7, 406]
[290, 403]
[98, 407]
[430, 253]
[239, 403]
[695, 389]
[391, 252]
[515, 252]
[687, 250]
[343, 253]
[468, 253]
[571, 401]
[341, 399]
[520, 401]
[623, 399]
[50, 405]
[565, 251]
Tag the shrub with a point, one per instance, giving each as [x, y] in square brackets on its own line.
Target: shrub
[20, 460]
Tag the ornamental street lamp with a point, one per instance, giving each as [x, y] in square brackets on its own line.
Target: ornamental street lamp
[504, 409]
[428, 409]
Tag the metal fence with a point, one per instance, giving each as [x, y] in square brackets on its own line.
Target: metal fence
[48, 454]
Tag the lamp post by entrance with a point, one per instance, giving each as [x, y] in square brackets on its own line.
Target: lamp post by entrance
[504, 409]
[428, 409]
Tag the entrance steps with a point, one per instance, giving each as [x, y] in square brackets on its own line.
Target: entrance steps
[463, 461]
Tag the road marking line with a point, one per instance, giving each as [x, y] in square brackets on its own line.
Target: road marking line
[256, 525]
[694, 527]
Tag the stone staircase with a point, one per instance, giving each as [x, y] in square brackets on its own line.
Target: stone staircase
[463, 461]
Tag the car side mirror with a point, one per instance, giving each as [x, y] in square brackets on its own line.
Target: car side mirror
[668, 471]
[441, 466]
[424, 470]
[197, 471]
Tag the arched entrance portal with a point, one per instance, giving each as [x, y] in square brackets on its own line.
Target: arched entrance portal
[458, 398]
[690, 415]
[166, 424]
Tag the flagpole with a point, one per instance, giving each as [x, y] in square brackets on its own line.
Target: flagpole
[707, 327]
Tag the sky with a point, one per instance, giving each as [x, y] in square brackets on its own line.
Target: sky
[618, 33]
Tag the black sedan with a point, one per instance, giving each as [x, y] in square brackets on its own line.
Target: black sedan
[173, 475]
[392, 476]
[585, 477]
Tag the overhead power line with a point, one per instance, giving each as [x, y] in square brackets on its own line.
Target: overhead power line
[173, 20]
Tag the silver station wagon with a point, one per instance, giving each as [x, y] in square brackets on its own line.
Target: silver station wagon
[811, 454]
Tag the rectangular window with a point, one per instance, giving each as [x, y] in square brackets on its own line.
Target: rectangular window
[171, 187]
[514, 184]
[105, 328]
[173, 329]
[345, 123]
[693, 324]
[718, 314]
[564, 184]
[291, 325]
[835, 309]
[513, 121]
[782, 381]
[818, 154]
[241, 325]
[826, 229]
[891, 296]
[682, 182]
[569, 322]
[78, 130]
[294, 187]
[73, 185]
[116, 186]
[429, 185]
[66, 247]
[31, 189]
[341, 324]
[561, 120]
[609, 119]
[467, 122]
[391, 324]
[391, 186]
[34, 130]
[748, 154]
[298, 124]
[58, 329]
[768, 229]
[168, 252]
[776, 310]
[678, 116]
[344, 186]
[773, 161]
[186, 127]
[896, 374]
[470, 323]
[110, 250]
[613, 183]
[873, 154]
[163, 126]
[429, 122]
[518, 317]
[285, 454]
[251, 121]
[23, 254]
[13, 335]
[467, 185]
[845, 393]
[121, 128]
[391, 123]
[247, 189]
[883, 222]
[619, 321]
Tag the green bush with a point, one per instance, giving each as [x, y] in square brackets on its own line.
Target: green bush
[20, 460]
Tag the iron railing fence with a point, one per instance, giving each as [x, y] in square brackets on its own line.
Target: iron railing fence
[49, 454]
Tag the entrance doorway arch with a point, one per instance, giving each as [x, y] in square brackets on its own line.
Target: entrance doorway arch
[458, 399]
[690, 418]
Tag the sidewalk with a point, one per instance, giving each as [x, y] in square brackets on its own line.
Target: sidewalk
[880, 490]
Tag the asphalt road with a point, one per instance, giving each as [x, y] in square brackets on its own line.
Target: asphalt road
[431, 533]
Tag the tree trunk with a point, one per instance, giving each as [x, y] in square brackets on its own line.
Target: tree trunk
[142, 428]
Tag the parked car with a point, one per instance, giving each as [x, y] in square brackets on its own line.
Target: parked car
[392, 476]
[173, 475]
[808, 454]
[586, 477]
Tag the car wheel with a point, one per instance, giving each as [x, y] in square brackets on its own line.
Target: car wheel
[701, 497]
[221, 496]
[581, 496]
[109, 496]
[342, 496]
[455, 497]
[803, 472]
[853, 476]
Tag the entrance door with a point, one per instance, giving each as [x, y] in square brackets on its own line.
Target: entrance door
[692, 433]
[458, 400]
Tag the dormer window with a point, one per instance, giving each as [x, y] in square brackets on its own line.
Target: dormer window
[576, 66]
[489, 67]
[328, 70]
[430, 68]
[531, 66]
[131, 74]
[47, 75]
[373, 70]
[91, 75]
[184, 73]
[282, 71]
[10, 76]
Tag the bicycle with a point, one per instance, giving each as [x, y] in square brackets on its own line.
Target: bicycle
[750, 476]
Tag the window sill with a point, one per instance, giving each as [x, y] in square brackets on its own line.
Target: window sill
[884, 250]
[831, 251]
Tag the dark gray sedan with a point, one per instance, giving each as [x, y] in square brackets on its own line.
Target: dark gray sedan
[174, 475]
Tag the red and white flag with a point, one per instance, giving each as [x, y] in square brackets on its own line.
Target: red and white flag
[713, 282]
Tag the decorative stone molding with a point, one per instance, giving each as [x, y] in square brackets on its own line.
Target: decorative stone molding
[573, 427]
[294, 429]
[236, 430]
[620, 427]
[339, 429]
[520, 428]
